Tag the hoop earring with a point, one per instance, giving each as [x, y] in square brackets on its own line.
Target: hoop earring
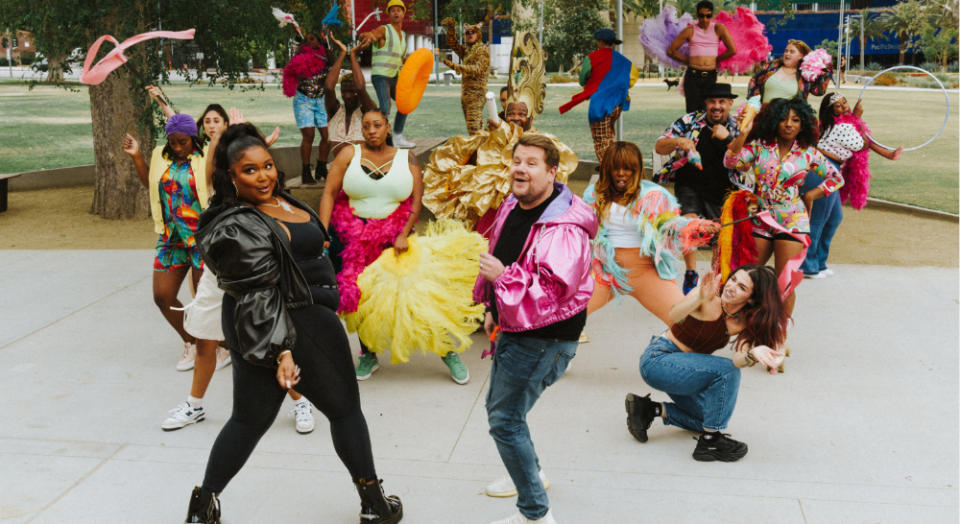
[236, 190]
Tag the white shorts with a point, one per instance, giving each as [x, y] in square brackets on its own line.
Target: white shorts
[201, 318]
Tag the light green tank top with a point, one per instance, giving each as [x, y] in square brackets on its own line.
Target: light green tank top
[777, 86]
[388, 59]
[371, 198]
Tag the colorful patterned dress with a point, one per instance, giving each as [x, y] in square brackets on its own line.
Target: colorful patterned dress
[176, 246]
[778, 182]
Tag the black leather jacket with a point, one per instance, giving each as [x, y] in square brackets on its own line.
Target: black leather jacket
[250, 254]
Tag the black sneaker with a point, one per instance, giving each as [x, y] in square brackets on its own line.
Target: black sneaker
[690, 280]
[204, 507]
[718, 446]
[641, 411]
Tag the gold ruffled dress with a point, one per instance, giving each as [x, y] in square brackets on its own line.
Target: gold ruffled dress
[470, 175]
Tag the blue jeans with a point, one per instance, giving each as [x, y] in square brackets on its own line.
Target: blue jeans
[386, 87]
[522, 368]
[703, 387]
[825, 218]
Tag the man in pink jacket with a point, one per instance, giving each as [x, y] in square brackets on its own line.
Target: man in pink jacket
[536, 284]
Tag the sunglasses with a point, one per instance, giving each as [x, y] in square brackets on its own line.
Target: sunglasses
[471, 32]
[705, 15]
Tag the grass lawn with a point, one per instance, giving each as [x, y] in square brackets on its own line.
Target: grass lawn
[47, 128]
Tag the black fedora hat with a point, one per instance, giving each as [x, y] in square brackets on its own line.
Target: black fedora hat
[719, 91]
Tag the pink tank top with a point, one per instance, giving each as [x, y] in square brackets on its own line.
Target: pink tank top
[704, 42]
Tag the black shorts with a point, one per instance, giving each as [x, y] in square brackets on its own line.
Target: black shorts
[780, 236]
[695, 202]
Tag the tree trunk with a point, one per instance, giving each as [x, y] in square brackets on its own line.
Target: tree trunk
[117, 191]
[55, 69]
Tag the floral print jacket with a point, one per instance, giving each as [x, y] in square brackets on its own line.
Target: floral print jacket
[778, 181]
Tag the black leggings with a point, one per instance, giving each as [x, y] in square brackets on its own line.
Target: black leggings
[327, 378]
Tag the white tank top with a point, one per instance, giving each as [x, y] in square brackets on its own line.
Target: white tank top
[377, 198]
[621, 226]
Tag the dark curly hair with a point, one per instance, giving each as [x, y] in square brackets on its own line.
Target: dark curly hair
[216, 108]
[771, 114]
[764, 316]
[234, 141]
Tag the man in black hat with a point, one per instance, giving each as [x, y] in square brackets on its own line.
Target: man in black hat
[606, 77]
[700, 193]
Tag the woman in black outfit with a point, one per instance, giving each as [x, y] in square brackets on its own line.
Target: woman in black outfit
[267, 250]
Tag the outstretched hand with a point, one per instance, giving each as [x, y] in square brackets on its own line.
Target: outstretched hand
[130, 145]
[769, 357]
[709, 286]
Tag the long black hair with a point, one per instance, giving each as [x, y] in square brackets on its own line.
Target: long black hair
[770, 116]
[826, 113]
[235, 140]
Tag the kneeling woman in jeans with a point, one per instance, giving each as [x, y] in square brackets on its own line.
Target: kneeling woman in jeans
[704, 386]
[279, 320]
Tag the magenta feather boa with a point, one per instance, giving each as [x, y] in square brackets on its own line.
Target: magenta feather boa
[308, 62]
[362, 244]
[747, 34]
[856, 170]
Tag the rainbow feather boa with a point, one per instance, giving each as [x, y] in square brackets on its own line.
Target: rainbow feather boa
[856, 170]
[665, 237]
[363, 241]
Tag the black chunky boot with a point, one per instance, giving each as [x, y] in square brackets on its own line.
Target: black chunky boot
[375, 507]
[306, 179]
[641, 412]
[204, 507]
[321, 173]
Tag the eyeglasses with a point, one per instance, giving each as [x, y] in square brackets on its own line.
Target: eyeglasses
[705, 15]
[471, 32]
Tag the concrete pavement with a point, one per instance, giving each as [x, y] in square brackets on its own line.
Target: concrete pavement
[863, 426]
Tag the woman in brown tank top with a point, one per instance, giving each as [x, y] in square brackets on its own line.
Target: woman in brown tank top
[703, 386]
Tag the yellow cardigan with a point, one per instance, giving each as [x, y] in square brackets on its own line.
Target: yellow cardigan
[158, 166]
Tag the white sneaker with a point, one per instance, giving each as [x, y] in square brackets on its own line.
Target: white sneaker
[223, 357]
[189, 354]
[399, 141]
[303, 416]
[815, 275]
[584, 339]
[504, 487]
[827, 272]
[518, 518]
[183, 415]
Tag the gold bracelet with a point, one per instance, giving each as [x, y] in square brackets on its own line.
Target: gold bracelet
[282, 353]
[751, 360]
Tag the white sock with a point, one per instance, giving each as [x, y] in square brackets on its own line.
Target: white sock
[194, 401]
[303, 400]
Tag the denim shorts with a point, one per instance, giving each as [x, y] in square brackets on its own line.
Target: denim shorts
[309, 112]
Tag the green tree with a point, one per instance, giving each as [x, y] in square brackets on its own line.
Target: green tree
[938, 35]
[906, 22]
[229, 34]
[867, 25]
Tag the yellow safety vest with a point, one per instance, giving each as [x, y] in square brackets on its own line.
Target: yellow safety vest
[388, 60]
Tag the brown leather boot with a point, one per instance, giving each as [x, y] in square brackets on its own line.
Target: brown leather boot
[375, 507]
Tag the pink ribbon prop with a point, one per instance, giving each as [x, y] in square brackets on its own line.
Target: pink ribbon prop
[791, 276]
[115, 58]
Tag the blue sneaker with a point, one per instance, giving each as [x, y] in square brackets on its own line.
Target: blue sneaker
[690, 280]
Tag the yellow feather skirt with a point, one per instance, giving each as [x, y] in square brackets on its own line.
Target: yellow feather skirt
[423, 299]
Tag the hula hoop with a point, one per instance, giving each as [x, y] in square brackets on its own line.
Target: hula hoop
[946, 97]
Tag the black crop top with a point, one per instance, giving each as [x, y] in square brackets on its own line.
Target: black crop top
[306, 242]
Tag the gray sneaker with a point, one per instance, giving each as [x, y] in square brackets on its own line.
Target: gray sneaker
[458, 370]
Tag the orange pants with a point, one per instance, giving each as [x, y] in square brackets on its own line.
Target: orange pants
[654, 293]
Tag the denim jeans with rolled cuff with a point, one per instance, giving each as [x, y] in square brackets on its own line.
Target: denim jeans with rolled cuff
[825, 218]
[703, 387]
[522, 368]
[384, 85]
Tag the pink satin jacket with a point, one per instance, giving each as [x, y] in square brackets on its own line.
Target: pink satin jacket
[550, 281]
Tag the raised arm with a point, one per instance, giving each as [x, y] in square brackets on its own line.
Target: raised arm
[157, 97]
[724, 36]
[376, 35]
[452, 41]
[330, 102]
[366, 103]
[132, 148]
[674, 50]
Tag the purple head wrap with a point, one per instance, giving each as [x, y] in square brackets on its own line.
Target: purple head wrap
[181, 123]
